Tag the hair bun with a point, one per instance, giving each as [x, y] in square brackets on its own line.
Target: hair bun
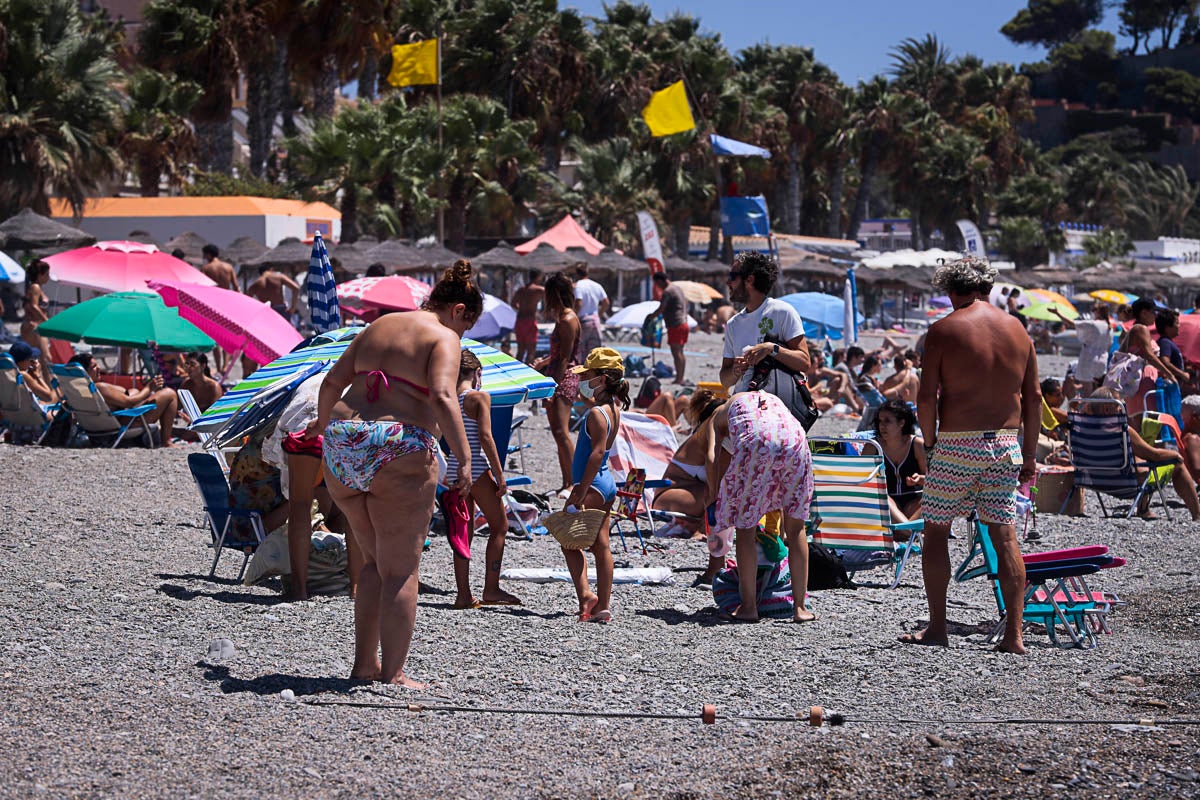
[459, 273]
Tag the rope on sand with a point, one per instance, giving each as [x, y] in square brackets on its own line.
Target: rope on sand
[815, 716]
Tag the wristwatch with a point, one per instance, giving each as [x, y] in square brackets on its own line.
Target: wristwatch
[774, 349]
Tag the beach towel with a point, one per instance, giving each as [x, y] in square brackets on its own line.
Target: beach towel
[774, 592]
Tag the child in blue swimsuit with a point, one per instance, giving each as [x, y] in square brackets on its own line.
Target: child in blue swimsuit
[601, 381]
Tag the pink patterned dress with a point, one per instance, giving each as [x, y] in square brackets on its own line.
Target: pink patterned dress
[771, 468]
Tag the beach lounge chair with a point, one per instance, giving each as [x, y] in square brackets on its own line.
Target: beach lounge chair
[20, 410]
[219, 514]
[82, 398]
[850, 512]
[1057, 595]
[1100, 449]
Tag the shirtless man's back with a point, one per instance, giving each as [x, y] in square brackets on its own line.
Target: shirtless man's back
[269, 289]
[221, 272]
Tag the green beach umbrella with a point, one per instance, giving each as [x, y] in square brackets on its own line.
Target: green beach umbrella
[1044, 311]
[126, 319]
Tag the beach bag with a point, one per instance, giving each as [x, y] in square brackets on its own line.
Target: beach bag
[663, 370]
[825, 569]
[60, 430]
[651, 389]
[652, 332]
[1124, 373]
[773, 378]
[635, 367]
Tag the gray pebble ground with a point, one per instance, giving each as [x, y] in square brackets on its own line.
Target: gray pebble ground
[110, 689]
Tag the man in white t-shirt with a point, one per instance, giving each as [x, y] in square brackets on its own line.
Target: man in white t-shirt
[765, 327]
[590, 302]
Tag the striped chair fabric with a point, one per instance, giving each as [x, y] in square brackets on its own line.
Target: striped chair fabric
[850, 498]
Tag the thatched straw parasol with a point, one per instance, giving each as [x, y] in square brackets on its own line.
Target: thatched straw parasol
[192, 245]
[31, 231]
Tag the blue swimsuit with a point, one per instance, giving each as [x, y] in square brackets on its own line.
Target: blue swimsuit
[603, 482]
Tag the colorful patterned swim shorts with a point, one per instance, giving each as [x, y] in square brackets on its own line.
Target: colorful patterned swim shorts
[973, 470]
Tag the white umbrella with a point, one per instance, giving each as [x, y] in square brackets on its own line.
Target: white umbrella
[497, 319]
[634, 316]
[10, 270]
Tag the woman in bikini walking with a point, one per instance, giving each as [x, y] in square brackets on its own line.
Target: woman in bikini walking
[399, 380]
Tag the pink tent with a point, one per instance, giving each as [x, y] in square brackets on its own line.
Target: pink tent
[121, 267]
[235, 321]
[567, 233]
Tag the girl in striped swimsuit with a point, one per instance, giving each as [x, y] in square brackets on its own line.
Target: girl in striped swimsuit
[487, 488]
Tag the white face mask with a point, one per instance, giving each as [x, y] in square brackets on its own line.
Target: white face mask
[585, 389]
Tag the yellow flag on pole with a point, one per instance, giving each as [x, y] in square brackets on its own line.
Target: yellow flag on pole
[414, 64]
[668, 111]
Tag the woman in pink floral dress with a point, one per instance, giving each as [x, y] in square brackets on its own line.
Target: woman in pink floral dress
[759, 461]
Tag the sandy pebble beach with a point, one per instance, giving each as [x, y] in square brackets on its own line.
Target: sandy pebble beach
[109, 689]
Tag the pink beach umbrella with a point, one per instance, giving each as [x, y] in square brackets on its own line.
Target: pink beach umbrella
[363, 296]
[236, 322]
[121, 267]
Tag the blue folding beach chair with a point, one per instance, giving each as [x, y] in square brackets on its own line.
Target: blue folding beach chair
[84, 401]
[1100, 449]
[20, 412]
[219, 512]
[1057, 595]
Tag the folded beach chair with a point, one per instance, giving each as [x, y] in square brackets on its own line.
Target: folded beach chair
[849, 512]
[82, 398]
[1100, 450]
[20, 410]
[1057, 595]
[218, 512]
[517, 431]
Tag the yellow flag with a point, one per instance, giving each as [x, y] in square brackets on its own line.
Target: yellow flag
[414, 64]
[668, 111]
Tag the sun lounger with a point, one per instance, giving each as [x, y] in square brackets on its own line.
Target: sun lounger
[84, 401]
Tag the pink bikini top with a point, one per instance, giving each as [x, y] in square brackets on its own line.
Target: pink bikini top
[375, 377]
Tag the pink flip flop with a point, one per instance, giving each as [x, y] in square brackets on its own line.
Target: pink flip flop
[458, 523]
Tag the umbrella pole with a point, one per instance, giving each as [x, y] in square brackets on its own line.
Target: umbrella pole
[233, 359]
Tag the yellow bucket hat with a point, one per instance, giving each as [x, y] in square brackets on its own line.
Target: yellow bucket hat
[601, 358]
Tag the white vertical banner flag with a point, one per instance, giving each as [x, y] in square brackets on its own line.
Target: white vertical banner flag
[974, 243]
[651, 246]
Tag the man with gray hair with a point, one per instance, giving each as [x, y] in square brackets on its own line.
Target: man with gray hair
[1189, 418]
[979, 383]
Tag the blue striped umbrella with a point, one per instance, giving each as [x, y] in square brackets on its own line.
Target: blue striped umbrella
[322, 290]
[507, 380]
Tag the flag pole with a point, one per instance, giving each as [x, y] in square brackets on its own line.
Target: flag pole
[715, 217]
[441, 218]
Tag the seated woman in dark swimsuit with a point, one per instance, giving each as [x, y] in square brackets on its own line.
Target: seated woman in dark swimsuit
[381, 409]
[903, 458]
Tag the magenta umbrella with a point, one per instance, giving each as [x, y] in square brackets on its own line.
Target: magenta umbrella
[392, 293]
[237, 323]
[121, 267]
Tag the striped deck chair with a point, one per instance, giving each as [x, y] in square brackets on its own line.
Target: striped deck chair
[850, 513]
[1100, 449]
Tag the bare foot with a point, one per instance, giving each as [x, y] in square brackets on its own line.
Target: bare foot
[466, 603]
[500, 598]
[372, 672]
[602, 616]
[804, 615]
[1017, 648]
[925, 638]
[407, 682]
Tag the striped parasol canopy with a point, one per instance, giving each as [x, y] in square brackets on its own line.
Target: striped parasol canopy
[322, 290]
[507, 380]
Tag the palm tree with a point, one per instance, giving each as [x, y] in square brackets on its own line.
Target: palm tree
[155, 137]
[923, 67]
[58, 105]
[874, 117]
[1156, 200]
[615, 182]
[201, 41]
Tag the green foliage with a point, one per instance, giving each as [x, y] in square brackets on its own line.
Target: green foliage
[58, 105]
[1173, 91]
[1048, 22]
[614, 182]
[1110, 244]
[1140, 19]
[1027, 241]
[218, 184]
[155, 137]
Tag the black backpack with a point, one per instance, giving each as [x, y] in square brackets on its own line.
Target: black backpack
[825, 569]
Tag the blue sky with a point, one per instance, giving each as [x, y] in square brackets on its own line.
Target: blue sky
[854, 36]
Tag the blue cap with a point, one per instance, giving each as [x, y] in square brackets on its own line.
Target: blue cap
[23, 351]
